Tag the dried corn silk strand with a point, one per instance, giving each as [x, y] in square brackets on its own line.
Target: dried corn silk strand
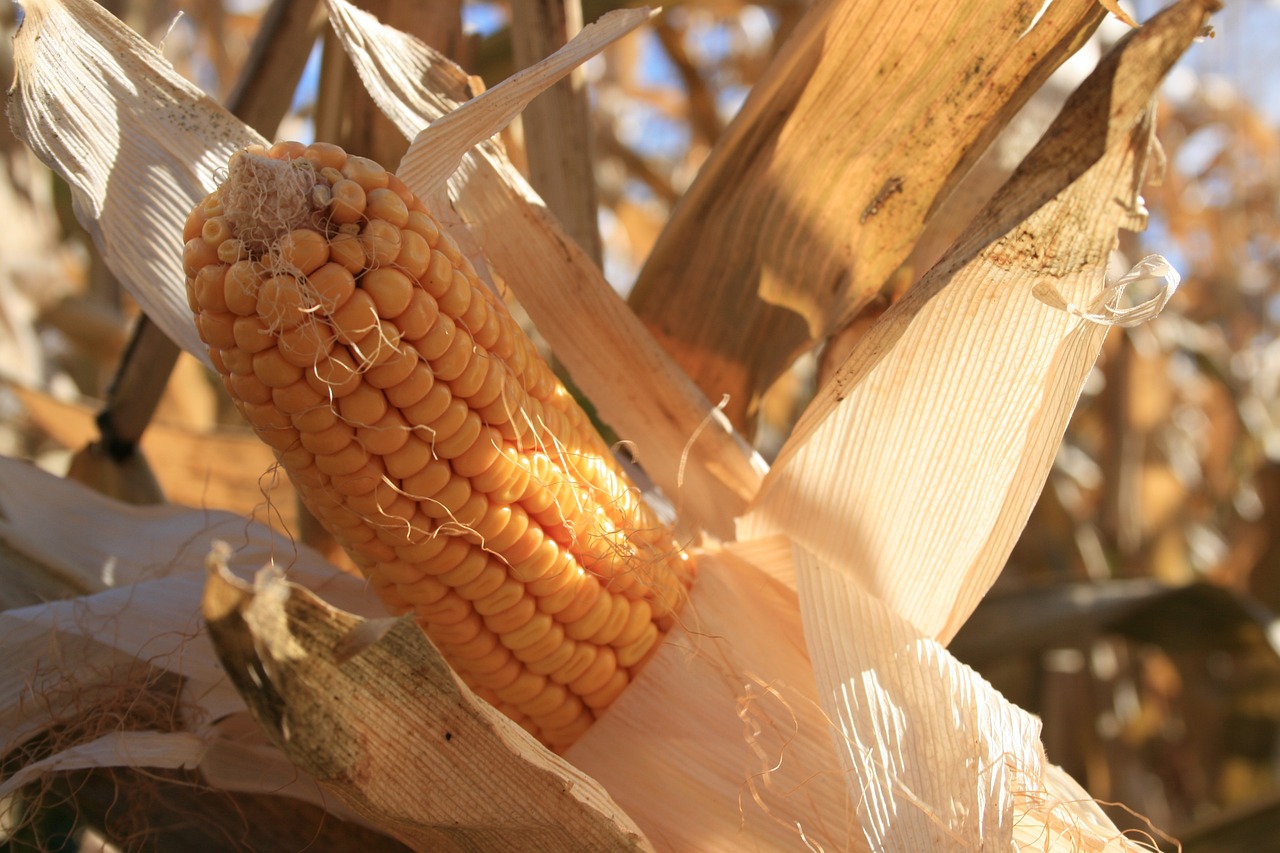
[427, 435]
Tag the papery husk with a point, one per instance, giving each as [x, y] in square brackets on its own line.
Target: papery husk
[915, 468]
[371, 710]
[927, 755]
[937, 758]
[863, 124]
[742, 759]
[138, 145]
[81, 667]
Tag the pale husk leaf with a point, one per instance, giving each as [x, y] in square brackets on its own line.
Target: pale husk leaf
[437, 150]
[915, 468]
[146, 567]
[39, 513]
[118, 749]
[688, 449]
[137, 143]
[936, 758]
[721, 743]
[69, 663]
[62, 670]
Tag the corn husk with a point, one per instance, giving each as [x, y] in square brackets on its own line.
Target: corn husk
[337, 693]
[803, 213]
[807, 699]
[132, 633]
[869, 480]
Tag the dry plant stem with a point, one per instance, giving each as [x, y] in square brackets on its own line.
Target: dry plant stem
[424, 432]
[557, 124]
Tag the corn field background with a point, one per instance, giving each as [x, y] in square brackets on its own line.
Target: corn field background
[1136, 615]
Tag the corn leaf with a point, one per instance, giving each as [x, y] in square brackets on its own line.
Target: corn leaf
[817, 192]
[916, 467]
[79, 664]
[142, 749]
[934, 756]
[1113, 6]
[721, 743]
[437, 149]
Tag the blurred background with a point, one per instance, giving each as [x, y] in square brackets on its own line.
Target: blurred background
[1136, 617]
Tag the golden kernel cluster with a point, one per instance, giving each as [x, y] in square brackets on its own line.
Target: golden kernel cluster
[423, 430]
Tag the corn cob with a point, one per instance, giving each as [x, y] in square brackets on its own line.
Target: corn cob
[424, 431]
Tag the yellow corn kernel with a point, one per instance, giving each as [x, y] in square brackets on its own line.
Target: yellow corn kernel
[426, 434]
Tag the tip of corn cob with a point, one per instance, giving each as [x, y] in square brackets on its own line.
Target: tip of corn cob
[423, 430]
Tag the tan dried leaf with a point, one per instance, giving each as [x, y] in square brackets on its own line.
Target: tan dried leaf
[387, 726]
[722, 745]
[934, 756]
[817, 193]
[137, 143]
[916, 467]
[1113, 6]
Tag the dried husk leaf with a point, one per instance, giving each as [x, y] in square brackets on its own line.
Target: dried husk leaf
[883, 742]
[916, 467]
[138, 144]
[822, 184]
[374, 713]
[721, 743]
[438, 149]
[688, 449]
[81, 663]
[141, 568]
[936, 758]
[119, 749]
[1113, 6]
[40, 512]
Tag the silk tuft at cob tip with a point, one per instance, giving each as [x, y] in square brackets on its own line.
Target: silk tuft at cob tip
[426, 434]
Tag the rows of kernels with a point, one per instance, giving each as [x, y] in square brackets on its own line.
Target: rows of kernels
[427, 435]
